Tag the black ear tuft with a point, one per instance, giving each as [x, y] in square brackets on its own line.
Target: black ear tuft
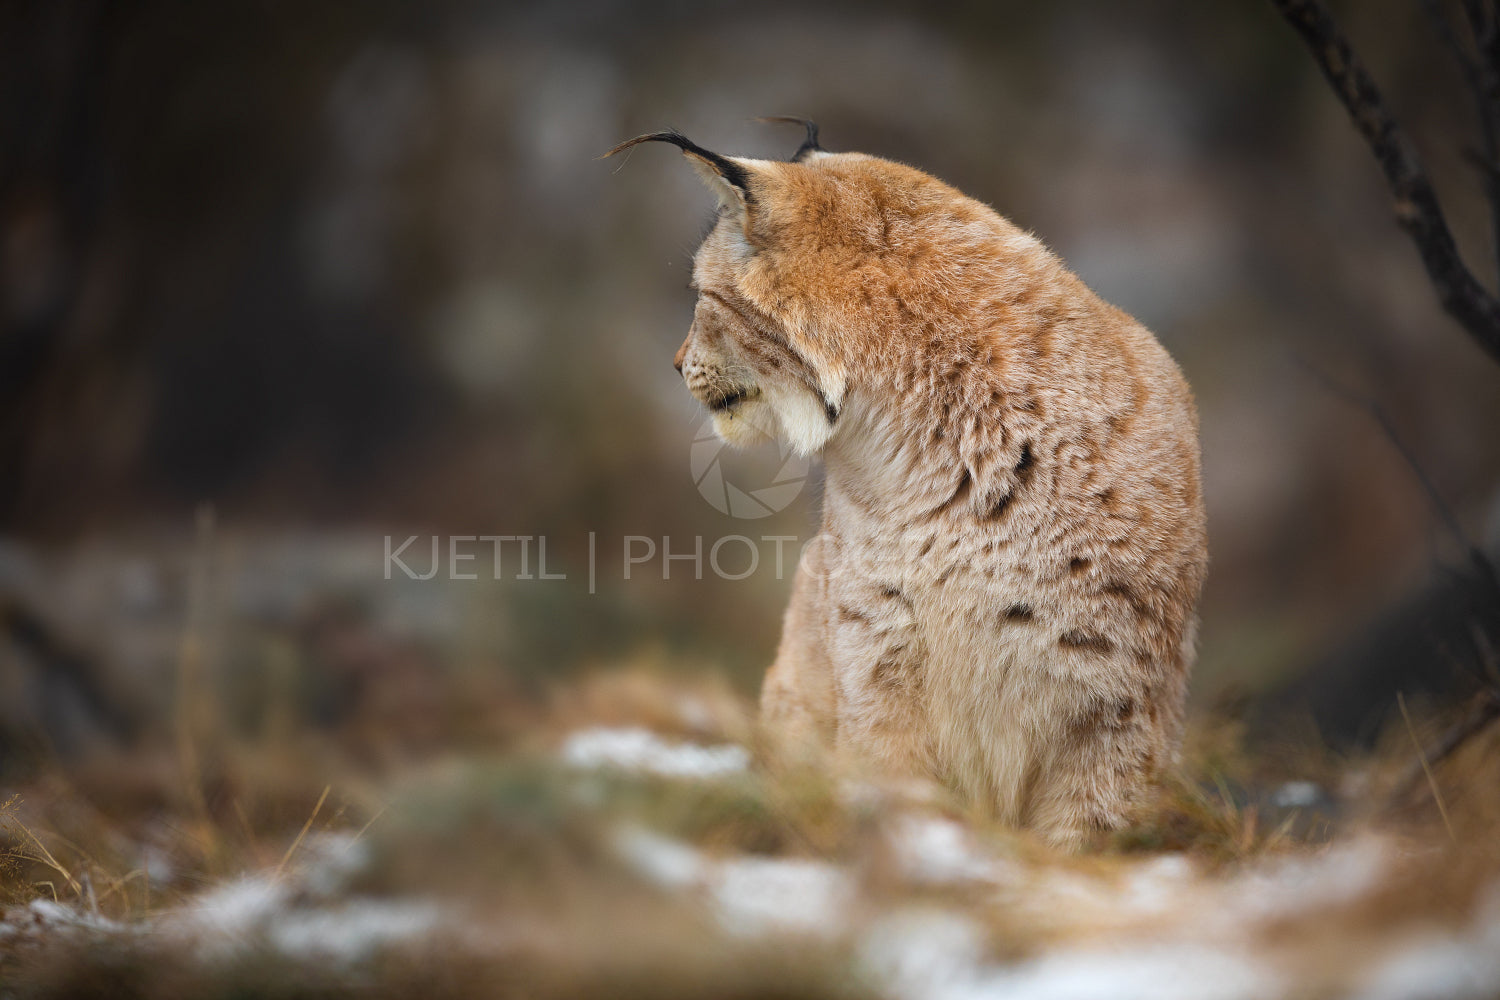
[726, 168]
[809, 144]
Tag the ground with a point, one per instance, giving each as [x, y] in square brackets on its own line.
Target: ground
[633, 843]
[317, 804]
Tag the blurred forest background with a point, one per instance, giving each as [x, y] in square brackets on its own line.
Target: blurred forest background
[280, 280]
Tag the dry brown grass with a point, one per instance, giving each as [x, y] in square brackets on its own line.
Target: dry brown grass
[521, 845]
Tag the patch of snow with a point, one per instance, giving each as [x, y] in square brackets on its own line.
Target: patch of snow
[1297, 795]
[1339, 874]
[54, 915]
[261, 909]
[331, 860]
[1438, 967]
[937, 851]
[1157, 885]
[938, 955]
[760, 895]
[662, 861]
[353, 932]
[750, 895]
[921, 953]
[1443, 966]
[236, 909]
[1159, 972]
[933, 850]
[637, 749]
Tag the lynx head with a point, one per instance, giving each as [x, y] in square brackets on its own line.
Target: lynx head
[814, 269]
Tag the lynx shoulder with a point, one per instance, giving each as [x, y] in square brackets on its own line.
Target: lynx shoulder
[1002, 594]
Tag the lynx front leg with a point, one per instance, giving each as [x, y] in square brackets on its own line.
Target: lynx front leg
[796, 698]
[879, 658]
[1101, 764]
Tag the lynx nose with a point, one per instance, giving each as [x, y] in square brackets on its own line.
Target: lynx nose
[681, 355]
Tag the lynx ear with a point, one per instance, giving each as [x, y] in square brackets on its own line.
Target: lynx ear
[809, 147]
[728, 178]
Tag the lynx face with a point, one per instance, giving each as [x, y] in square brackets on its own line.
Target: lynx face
[738, 361]
[746, 357]
[1013, 531]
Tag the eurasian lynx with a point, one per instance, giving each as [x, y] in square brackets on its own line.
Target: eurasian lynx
[1002, 594]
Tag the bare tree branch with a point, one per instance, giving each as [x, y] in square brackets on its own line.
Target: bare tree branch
[1417, 208]
[1480, 77]
[1486, 86]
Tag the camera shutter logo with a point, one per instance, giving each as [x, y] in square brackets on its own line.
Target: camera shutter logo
[742, 500]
